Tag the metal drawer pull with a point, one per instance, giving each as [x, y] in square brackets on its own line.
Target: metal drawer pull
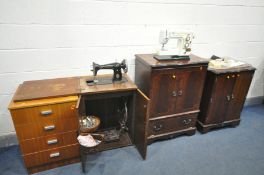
[50, 127]
[180, 92]
[47, 112]
[174, 93]
[187, 121]
[53, 141]
[57, 154]
[228, 97]
[157, 127]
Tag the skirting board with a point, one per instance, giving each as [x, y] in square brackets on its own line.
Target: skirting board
[11, 139]
[8, 140]
[254, 101]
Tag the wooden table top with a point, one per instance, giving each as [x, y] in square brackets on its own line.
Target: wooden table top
[149, 60]
[61, 87]
[114, 87]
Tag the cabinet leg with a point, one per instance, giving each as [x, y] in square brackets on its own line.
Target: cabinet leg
[83, 160]
[190, 133]
[235, 124]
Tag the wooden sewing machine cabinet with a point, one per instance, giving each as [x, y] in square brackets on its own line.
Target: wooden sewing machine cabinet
[46, 116]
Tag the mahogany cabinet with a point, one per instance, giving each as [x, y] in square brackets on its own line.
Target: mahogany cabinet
[223, 97]
[175, 90]
[107, 103]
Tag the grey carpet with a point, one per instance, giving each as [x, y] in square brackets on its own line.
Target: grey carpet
[234, 151]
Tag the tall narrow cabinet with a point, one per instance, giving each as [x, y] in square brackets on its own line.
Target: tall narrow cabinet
[223, 97]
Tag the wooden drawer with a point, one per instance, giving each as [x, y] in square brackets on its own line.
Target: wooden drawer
[48, 142]
[52, 155]
[49, 127]
[170, 124]
[43, 113]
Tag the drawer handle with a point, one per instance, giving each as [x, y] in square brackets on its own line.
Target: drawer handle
[50, 127]
[187, 121]
[53, 141]
[157, 127]
[180, 92]
[47, 112]
[57, 154]
[228, 97]
[174, 93]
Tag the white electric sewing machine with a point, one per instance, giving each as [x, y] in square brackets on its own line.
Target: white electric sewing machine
[175, 45]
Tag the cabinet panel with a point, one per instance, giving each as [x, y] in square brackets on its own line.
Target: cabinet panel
[52, 155]
[238, 95]
[141, 122]
[52, 126]
[163, 92]
[189, 88]
[169, 124]
[43, 113]
[220, 99]
[48, 142]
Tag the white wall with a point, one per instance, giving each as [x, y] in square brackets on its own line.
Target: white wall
[42, 39]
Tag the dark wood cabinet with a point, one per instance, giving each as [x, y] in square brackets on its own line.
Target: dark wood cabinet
[106, 102]
[223, 97]
[174, 89]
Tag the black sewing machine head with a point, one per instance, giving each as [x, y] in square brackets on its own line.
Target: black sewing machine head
[117, 76]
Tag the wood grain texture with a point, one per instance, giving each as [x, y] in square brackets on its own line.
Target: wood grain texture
[33, 130]
[141, 122]
[113, 87]
[41, 102]
[41, 143]
[49, 88]
[44, 157]
[223, 98]
[175, 89]
[31, 119]
[170, 124]
[34, 114]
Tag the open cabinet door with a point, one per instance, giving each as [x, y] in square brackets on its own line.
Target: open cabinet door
[80, 107]
[141, 122]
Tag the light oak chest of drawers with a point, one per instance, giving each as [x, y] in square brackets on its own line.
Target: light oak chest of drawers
[46, 131]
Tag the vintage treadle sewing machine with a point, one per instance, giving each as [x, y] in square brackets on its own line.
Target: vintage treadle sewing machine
[117, 75]
[114, 133]
[175, 45]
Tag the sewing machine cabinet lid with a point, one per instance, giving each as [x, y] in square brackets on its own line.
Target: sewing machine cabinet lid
[150, 61]
[49, 88]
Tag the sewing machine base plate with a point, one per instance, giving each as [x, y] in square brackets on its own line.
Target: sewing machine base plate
[104, 80]
[171, 57]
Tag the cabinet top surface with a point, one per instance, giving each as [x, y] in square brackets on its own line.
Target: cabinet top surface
[42, 90]
[246, 67]
[41, 102]
[47, 88]
[113, 87]
[149, 60]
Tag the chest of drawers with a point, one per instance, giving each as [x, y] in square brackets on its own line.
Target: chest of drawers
[174, 89]
[46, 131]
